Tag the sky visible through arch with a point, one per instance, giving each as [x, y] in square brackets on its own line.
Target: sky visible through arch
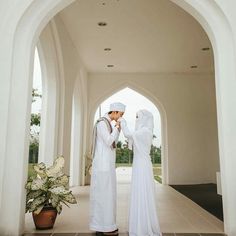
[37, 83]
[134, 101]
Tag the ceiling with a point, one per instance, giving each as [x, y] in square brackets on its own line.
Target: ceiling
[144, 36]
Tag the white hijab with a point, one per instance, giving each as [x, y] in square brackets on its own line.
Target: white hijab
[144, 118]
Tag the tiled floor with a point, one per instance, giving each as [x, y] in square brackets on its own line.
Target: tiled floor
[124, 234]
[205, 195]
[176, 213]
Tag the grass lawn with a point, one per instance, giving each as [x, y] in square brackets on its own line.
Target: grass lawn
[123, 164]
[158, 178]
[156, 170]
[30, 169]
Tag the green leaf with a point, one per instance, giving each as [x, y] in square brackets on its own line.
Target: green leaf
[40, 169]
[39, 184]
[35, 119]
[59, 208]
[28, 185]
[63, 180]
[34, 194]
[39, 209]
[36, 203]
[65, 203]
[56, 169]
[48, 186]
[27, 206]
[55, 199]
[70, 198]
[59, 190]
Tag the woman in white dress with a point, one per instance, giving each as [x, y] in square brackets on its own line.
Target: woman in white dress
[142, 214]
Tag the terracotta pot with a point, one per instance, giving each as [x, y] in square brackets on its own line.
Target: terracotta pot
[46, 218]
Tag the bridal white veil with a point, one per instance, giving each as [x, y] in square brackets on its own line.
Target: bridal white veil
[144, 118]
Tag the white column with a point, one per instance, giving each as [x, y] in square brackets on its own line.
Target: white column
[17, 148]
[216, 24]
[76, 141]
[8, 25]
[226, 114]
[19, 28]
[50, 98]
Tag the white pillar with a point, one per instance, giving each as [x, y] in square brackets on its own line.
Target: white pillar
[19, 28]
[216, 24]
[8, 26]
[76, 140]
[17, 147]
[226, 114]
[50, 96]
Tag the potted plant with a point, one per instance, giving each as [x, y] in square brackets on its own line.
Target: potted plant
[47, 189]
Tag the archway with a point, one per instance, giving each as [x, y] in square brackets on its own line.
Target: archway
[163, 117]
[134, 101]
[33, 20]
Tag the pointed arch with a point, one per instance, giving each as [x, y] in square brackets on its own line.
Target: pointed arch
[140, 90]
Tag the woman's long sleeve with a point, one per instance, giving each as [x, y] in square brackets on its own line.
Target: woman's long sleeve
[127, 133]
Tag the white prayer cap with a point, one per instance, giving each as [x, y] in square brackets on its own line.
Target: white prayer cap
[117, 106]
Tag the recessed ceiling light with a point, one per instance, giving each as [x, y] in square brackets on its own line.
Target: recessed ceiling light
[102, 23]
[107, 49]
[194, 67]
[206, 49]
[110, 65]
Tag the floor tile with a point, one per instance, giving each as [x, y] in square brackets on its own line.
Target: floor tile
[85, 234]
[212, 234]
[37, 234]
[176, 214]
[205, 195]
[187, 234]
[64, 234]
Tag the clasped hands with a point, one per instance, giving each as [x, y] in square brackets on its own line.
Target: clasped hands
[119, 122]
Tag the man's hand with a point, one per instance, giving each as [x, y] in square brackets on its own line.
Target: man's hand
[117, 125]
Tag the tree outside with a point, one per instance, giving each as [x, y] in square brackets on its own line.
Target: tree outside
[34, 131]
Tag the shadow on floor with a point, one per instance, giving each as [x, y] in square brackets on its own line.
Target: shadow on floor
[205, 195]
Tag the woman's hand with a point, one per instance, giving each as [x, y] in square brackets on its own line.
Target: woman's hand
[122, 122]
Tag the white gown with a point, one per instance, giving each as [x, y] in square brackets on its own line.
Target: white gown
[103, 181]
[142, 214]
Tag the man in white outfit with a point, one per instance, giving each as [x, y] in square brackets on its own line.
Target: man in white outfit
[103, 178]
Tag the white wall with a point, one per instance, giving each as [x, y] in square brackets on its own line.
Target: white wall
[190, 105]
